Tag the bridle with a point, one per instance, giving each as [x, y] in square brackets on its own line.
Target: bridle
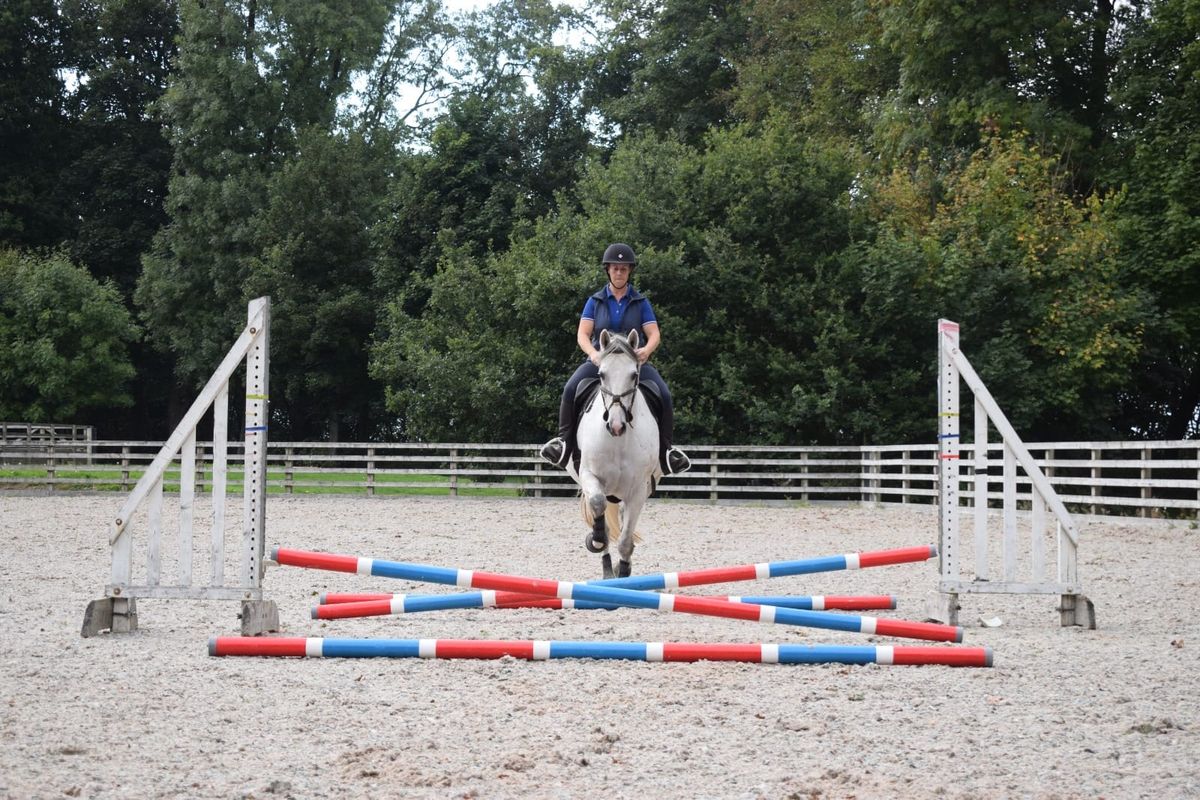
[612, 398]
[609, 399]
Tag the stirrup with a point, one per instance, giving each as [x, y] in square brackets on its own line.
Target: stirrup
[677, 461]
[555, 451]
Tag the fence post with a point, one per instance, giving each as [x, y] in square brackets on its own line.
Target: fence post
[712, 478]
[1146, 510]
[876, 479]
[50, 465]
[454, 472]
[804, 480]
[906, 484]
[537, 478]
[370, 472]
[288, 471]
[1095, 476]
[124, 467]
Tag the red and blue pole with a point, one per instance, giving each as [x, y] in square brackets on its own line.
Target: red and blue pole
[630, 651]
[566, 590]
[412, 602]
[384, 605]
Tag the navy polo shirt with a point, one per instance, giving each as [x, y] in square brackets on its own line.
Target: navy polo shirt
[616, 308]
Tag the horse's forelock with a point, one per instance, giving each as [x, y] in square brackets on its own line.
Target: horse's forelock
[618, 344]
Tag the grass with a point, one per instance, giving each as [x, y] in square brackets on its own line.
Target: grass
[335, 482]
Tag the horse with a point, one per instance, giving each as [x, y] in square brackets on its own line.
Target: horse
[617, 440]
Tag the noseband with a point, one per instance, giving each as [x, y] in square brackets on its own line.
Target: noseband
[611, 399]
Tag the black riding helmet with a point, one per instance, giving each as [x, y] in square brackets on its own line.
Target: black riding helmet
[619, 254]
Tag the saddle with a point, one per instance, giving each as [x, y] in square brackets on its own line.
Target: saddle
[589, 388]
[586, 393]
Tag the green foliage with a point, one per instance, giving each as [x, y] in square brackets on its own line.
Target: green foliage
[64, 340]
[999, 65]
[819, 63]
[488, 357]
[496, 158]
[809, 185]
[1030, 273]
[252, 82]
[316, 266]
[33, 128]
[117, 180]
[1158, 161]
[667, 66]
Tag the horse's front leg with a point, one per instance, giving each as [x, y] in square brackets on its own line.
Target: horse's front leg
[598, 540]
[632, 509]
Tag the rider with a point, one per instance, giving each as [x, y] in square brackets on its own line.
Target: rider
[618, 308]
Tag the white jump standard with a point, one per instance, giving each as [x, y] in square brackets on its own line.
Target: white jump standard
[1075, 608]
[117, 611]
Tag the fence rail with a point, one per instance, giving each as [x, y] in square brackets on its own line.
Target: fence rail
[1150, 479]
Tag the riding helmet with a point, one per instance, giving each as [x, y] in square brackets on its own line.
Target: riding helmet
[619, 254]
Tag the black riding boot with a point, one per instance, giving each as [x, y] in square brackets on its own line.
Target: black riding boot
[670, 458]
[558, 450]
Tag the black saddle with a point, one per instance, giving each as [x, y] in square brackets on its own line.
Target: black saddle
[589, 388]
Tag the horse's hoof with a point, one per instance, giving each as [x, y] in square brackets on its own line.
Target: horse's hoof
[594, 545]
[624, 569]
[606, 562]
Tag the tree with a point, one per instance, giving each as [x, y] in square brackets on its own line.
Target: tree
[1030, 273]
[499, 157]
[729, 241]
[316, 265]
[34, 140]
[819, 63]
[984, 65]
[668, 67]
[1157, 159]
[116, 183]
[64, 341]
[250, 78]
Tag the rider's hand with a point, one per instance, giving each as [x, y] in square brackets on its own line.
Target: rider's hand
[643, 355]
[595, 358]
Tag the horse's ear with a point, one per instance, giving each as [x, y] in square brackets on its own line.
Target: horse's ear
[604, 338]
[634, 339]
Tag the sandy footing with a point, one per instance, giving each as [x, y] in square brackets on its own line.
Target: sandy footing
[1064, 713]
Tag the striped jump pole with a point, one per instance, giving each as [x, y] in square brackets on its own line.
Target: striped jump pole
[672, 580]
[566, 590]
[629, 651]
[371, 605]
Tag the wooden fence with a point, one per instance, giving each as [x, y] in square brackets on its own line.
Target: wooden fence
[1149, 479]
[26, 433]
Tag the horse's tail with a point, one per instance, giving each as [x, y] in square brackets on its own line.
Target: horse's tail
[612, 520]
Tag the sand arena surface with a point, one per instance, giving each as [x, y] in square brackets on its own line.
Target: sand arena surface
[1065, 713]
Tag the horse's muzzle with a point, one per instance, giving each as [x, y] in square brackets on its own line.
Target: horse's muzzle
[616, 428]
